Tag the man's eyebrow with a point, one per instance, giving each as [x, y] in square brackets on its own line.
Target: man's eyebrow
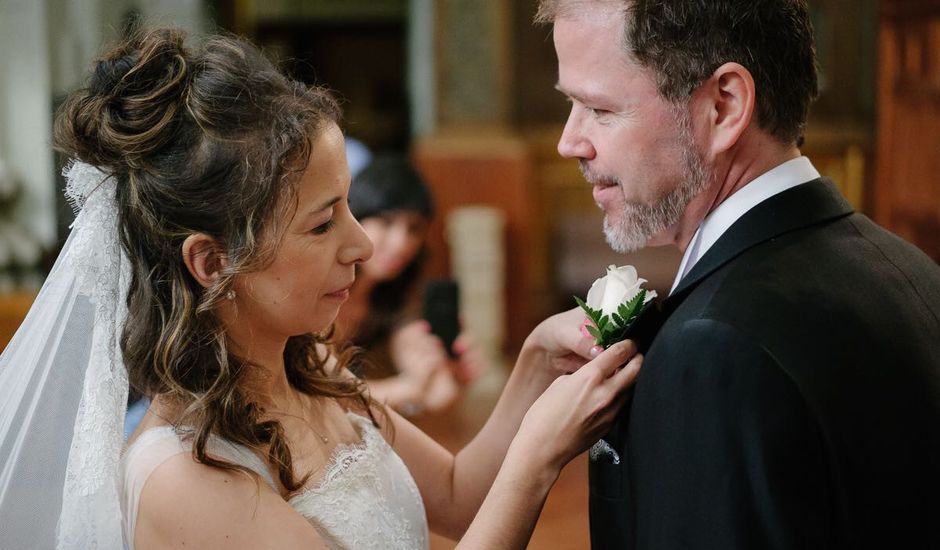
[580, 98]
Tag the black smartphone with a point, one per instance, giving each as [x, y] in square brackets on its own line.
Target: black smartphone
[441, 310]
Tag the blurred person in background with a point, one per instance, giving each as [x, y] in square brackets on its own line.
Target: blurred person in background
[408, 367]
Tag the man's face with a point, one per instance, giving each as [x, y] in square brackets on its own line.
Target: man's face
[634, 147]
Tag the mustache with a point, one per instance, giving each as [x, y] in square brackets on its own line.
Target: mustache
[595, 178]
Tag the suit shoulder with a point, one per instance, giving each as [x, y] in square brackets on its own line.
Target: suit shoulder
[836, 269]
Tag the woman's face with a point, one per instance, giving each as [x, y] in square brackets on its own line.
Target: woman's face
[314, 265]
[398, 236]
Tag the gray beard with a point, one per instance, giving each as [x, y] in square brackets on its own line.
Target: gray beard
[640, 221]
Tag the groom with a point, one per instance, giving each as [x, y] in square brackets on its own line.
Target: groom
[791, 398]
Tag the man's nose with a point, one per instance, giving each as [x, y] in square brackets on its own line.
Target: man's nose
[573, 143]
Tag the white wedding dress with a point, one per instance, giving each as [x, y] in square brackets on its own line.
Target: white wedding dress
[365, 500]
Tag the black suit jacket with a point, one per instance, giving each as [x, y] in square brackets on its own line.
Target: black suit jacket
[791, 398]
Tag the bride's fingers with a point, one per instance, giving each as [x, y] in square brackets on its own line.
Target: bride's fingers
[616, 386]
[570, 334]
[613, 357]
[625, 377]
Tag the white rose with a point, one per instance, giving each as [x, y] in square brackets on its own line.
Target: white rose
[619, 286]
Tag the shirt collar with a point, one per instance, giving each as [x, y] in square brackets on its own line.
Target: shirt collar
[784, 176]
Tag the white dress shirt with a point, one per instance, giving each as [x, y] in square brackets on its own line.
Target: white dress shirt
[789, 174]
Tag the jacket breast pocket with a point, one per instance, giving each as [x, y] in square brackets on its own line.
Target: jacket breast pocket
[606, 471]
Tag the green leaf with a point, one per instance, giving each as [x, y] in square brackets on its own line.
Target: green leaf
[593, 314]
[623, 311]
[595, 333]
[581, 303]
[609, 339]
[603, 322]
[618, 320]
[631, 309]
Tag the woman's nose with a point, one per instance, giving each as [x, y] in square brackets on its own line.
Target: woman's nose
[359, 247]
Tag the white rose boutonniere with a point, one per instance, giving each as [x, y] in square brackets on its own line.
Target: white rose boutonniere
[613, 303]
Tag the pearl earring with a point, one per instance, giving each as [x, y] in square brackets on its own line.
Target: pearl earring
[230, 295]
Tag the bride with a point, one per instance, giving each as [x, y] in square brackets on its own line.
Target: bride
[213, 250]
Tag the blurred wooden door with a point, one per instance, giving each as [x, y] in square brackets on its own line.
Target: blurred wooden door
[907, 177]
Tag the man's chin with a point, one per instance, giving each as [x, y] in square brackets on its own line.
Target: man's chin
[622, 241]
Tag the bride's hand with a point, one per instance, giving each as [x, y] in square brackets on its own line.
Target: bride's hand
[577, 409]
[560, 342]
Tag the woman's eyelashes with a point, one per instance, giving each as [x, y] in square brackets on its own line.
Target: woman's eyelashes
[323, 227]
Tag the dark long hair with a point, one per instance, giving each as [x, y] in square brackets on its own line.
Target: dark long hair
[388, 184]
[206, 140]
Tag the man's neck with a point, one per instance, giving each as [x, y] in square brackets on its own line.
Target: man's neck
[733, 171]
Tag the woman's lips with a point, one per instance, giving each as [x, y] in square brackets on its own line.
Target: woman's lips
[340, 294]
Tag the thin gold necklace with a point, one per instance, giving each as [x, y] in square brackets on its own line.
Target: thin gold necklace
[322, 437]
[306, 422]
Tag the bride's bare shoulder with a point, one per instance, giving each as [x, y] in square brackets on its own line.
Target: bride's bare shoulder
[185, 503]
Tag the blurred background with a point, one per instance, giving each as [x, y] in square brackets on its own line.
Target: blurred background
[465, 87]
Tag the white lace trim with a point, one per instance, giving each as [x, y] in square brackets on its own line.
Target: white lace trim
[366, 498]
[346, 455]
[91, 491]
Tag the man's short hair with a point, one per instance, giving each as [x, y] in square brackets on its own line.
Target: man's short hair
[682, 42]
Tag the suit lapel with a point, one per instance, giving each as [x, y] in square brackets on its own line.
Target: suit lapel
[645, 326]
[802, 206]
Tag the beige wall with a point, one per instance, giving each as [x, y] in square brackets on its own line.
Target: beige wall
[46, 47]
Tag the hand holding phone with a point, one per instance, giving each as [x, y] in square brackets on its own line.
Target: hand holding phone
[441, 310]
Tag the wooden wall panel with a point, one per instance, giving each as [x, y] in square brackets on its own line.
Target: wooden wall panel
[490, 170]
[907, 178]
[13, 309]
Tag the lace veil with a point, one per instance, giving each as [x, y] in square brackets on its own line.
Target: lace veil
[63, 388]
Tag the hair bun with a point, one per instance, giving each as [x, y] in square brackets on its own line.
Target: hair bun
[109, 72]
[131, 107]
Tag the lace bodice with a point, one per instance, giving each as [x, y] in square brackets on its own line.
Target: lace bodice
[366, 499]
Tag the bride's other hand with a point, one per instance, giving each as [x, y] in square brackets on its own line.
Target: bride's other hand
[560, 343]
[572, 413]
[577, 409]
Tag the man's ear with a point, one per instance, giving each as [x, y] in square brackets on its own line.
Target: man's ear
[730, 97]
[204, 258]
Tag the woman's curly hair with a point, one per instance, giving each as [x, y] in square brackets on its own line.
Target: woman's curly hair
[206, 140]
